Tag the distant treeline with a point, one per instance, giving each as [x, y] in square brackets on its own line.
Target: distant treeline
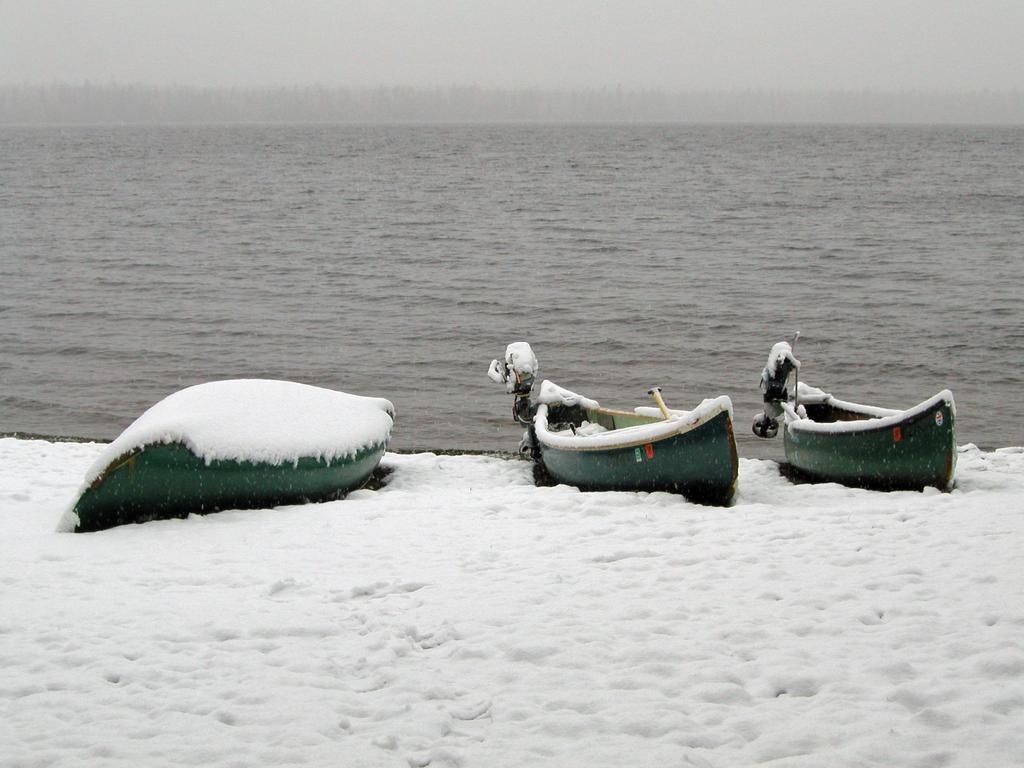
[87, 104]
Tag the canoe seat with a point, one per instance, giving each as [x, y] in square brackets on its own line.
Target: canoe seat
[610, 419]
[565, 417]
[570, 417]
[826, 413]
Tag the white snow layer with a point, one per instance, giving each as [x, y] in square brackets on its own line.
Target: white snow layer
[780, 353]
[655, 412]
[519, 361]
[520, 358]
[258, 420]
[461, 616]
[552, 394]
[809, 394]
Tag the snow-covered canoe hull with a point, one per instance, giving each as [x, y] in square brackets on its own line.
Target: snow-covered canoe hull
[851, 444]
[167, 480]
[237, 443]
[696, 460]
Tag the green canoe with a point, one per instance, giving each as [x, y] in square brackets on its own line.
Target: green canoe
[853, 444]
[237, 444]
[573, 440]
[605, 450]
[167, 480]
[832, 440]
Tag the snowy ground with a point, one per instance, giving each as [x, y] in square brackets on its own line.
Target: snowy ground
[461, 616]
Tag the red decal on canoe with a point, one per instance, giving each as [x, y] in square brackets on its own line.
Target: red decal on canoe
[649, 450]
[896, 434]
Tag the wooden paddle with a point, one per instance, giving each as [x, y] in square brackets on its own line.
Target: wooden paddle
[655, 392]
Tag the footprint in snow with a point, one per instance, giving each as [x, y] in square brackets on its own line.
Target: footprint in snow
[380, 589]
[283, 589]
[617, 556]
[429, 640]
[873, 617]
[798, 686]
[473, 711]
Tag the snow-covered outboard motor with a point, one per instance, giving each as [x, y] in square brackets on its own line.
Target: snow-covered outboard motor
[779, 384]
[518, 372]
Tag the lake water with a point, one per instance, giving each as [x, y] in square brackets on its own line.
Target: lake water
[397, 261]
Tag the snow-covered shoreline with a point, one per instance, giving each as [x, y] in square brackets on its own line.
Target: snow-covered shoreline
[463, 616]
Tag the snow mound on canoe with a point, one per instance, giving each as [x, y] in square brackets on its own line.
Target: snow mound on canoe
[520, 358]
[808, 395]
[780, 353]
[258, 420]
[552, 394]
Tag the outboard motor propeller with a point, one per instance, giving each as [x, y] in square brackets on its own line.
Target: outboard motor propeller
[779, 384]
[765, 426]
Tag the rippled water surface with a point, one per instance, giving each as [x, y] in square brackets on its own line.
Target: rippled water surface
[397, 261]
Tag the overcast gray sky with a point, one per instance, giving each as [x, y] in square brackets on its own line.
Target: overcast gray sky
[673, 44]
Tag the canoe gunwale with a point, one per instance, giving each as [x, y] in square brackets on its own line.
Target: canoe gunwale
[873, 423]
[115, 465]
[667, 429]
[119, 461]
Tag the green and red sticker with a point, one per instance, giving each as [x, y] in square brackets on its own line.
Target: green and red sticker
[648, 452]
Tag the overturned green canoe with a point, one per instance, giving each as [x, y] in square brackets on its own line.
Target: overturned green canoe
[842, 442]
[692, 453]
[238, 444]
[168, 480]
